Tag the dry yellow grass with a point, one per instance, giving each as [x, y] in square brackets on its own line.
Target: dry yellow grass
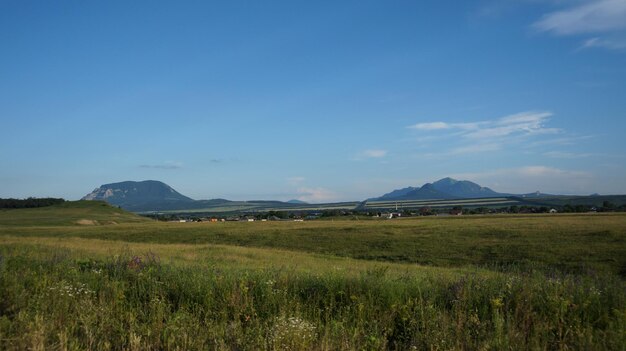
[233, 256]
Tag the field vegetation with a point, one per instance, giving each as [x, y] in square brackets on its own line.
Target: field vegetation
[90, 276]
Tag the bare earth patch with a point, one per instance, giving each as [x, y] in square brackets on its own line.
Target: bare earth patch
[86, 222]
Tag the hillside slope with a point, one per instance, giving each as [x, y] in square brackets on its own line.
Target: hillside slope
[69, 213]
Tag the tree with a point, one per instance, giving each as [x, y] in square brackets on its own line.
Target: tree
[608, 205]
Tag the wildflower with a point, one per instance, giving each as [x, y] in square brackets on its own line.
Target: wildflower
[136, 263]
[497, 302]
[293, 333]
[66, 289]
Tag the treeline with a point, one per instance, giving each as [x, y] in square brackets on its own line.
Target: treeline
[31, 202]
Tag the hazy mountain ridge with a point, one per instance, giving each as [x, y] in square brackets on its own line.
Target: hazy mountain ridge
[152, 195]
[296, 201]
[446, 188]
[156, 196]
[135, 196]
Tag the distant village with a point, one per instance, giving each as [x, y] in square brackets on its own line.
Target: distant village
[301, 216]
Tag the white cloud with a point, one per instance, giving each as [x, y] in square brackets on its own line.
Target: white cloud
[374, 153]
[524, 123]
[520, 129]
[444, 125]
[610, 44]
[316, 195]
[430, 126]
[370, 154]
[524, 117]
[606, 17]
[564, 141]
[590, 17]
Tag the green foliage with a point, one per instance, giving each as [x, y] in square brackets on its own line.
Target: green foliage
[53, 299]
[30, 202]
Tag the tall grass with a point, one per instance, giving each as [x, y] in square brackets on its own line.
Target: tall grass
[53, 298]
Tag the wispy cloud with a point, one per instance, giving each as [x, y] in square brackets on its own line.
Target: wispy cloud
[444, 125]
[488, 132]
[370, 154]
[611, 44]
[528, 132]
[374, 153]
[165, 165]
[431, 126]
[563, 141]
[606, 17]
[316, 195]
[567, 155]
[589, 17]
[525, 123]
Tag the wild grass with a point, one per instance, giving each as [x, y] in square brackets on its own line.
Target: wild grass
[58, 298]
[572, 243]
[489, 283]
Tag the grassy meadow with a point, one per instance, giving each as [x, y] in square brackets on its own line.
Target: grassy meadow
[89, 276]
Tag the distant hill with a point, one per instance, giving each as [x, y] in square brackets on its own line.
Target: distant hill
[464, 189]
[427, 191]
[139, 196]
[295, 201]
[398, 193]
[86, 213]
[446, 188]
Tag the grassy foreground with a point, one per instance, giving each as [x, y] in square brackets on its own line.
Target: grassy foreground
[67, 286]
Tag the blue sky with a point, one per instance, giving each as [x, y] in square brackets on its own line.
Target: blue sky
[315, 100]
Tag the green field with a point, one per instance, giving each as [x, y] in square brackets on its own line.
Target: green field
[88, 276]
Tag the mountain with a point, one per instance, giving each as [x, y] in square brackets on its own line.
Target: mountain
[446, 188]
[463, 189]
[298, 202]
[397, 193]
[155, 196]
[139, 196]
[427, 192]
